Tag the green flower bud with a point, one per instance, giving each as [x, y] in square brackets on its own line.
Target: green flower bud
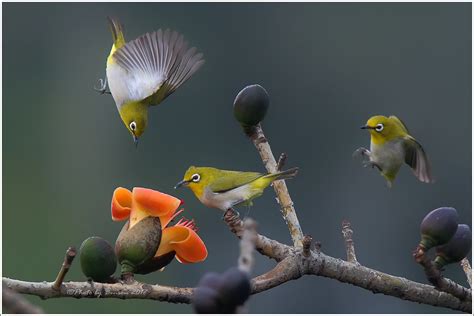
[456, 249]
[138, 244]
[98, 260]
[251, 105]
[438, 227]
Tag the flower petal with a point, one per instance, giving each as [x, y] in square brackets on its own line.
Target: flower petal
[121, 204]
[188, 246]
[156, 203]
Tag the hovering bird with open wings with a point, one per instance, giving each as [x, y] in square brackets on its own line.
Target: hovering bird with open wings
[144, 71]
[390, 146]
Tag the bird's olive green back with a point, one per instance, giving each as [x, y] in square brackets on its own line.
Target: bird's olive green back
[218, 180]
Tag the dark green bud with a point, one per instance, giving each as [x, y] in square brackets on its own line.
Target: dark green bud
[155, 263]
[456, 249]
[438, 227]
[251, 105]
[138, 244]
[98, 260]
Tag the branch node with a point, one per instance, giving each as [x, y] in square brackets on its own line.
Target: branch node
[307, 240]
[70, 255]
[281, 161]
[347, 234]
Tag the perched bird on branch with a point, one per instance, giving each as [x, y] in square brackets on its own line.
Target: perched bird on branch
[225, 189]
[144, 71]
[390, 146]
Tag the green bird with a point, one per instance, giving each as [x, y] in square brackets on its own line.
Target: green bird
[390, 146]
[145, 71]
[224, 189]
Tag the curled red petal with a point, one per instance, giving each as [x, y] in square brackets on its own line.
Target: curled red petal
[188, 246]
[121, 205]
[156, 203]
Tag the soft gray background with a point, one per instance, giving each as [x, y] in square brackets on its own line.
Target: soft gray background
[327, 68]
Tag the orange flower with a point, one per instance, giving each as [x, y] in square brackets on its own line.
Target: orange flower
[180, 239]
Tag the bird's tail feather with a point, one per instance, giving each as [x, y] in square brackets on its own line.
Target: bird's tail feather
[117, 32]
[283, 175]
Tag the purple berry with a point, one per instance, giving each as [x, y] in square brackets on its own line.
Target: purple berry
[235, 289]
[456, 249]
[438, 227]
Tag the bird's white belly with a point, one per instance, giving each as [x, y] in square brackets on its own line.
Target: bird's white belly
[388, 156]
[228, 199]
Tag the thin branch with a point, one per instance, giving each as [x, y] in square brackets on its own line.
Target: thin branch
[15, 303]
[68, 258]
[433, 275]
[467, 269]
[286, 270]
[347, 234]
[247, 245]
[102, 290]
[379, 282]
[283, 197]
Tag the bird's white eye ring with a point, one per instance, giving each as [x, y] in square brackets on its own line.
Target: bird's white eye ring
[379, 127]
[133, 126]
[196, 177]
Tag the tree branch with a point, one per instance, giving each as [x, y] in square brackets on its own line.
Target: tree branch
[283, 197]
[467, 270]
[102, 290]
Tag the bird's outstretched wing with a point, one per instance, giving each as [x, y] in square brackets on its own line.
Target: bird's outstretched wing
[229, 180]
[416, 158]
[152, 66]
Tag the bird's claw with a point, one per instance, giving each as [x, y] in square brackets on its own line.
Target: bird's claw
[102, 88]
[371, 164]
[361, 151]
[236, 214]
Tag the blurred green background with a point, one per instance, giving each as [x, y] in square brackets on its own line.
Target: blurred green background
[327, 68]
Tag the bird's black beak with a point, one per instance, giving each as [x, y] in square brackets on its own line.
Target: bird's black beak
[366, 127]
[181, 183]
[135, 140]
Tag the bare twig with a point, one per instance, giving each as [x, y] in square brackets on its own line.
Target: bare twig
[347, 234]
[281, 161]
[70, 255]
[15, 303]
[283, 197]
[247, 245]
[467, 269]
[434, 276]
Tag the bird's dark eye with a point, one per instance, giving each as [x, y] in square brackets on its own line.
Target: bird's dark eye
[133, 126]
[379, 127]
[196, 177]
